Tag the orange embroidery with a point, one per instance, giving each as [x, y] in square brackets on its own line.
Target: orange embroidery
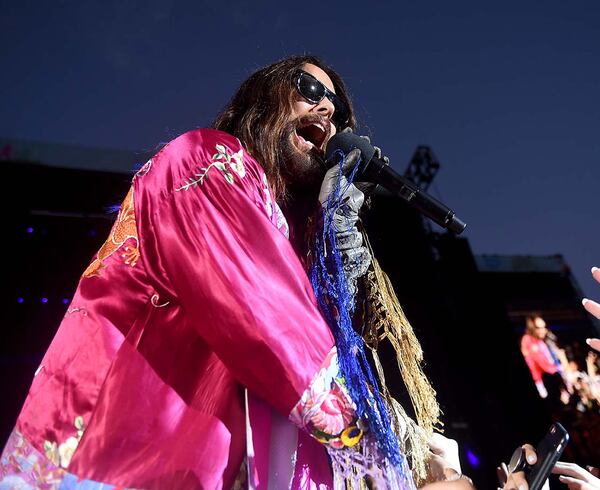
[123, 229]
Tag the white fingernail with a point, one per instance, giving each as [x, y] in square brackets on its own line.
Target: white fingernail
[594, 269]
[584, 301]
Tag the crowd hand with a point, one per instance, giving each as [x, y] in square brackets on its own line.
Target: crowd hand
[591, 306]
[510, 479]
[444, 462]
[356, 258]
[444, 465]
[594, 344]
[576, 478]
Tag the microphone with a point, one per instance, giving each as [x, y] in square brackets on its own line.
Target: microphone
[376, 171]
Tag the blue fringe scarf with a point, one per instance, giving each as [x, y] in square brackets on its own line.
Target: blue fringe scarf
[333, 294]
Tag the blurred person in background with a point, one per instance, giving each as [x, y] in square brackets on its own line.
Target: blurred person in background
[544, 365]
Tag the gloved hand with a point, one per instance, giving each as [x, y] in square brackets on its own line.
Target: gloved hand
[356, 258]
[368, 188]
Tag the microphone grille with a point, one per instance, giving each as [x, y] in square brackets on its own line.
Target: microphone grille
[346, 142]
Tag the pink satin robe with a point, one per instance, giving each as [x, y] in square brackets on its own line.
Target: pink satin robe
[196, 295]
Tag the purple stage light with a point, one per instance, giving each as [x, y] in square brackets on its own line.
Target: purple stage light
[472, 459]
[44, 300]
[65, 301]
[29, 230]
[20, 300]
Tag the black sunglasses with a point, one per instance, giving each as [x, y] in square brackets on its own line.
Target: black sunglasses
[314, 91]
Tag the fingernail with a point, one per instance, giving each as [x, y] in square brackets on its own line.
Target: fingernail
[530, 458]
[584, 301]
[588, 341]
[522, 487]
[594, 269]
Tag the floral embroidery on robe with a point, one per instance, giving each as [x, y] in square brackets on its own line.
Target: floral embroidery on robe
[224, 160]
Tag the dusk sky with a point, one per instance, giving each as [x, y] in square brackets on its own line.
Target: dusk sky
[507, 94]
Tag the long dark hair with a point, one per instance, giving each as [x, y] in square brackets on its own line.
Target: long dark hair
[258, 113]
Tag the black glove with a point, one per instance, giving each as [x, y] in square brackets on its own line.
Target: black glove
[368, 188]
[356, 258]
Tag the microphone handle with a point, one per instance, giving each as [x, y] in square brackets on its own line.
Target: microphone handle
[377, 171]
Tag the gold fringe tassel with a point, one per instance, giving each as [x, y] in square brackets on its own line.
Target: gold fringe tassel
[386, 320]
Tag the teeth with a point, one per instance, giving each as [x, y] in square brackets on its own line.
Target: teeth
[319, 138]
[317, 125]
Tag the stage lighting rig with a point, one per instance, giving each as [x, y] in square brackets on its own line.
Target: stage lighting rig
[423, 167]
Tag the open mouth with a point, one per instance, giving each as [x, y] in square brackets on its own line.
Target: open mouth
[312, 135]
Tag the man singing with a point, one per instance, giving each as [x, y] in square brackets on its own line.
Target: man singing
[196, 352]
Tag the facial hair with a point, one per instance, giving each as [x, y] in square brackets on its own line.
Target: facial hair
[303, 171]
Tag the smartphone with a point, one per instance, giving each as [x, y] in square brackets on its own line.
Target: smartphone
[548, 452]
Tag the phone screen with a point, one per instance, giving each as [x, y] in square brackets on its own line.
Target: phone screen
[548, 452]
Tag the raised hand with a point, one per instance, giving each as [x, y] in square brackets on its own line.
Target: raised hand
[447, 450]
[575, 477]
[512, 477]
[593, 308]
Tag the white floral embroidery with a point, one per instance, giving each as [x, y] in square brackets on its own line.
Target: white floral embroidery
[144, 169]
[282, 224]
[236, 162]
[66, 451]
[61, 454]
[81, 310]
[268, 199]
[271, 207]
[224, 160]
